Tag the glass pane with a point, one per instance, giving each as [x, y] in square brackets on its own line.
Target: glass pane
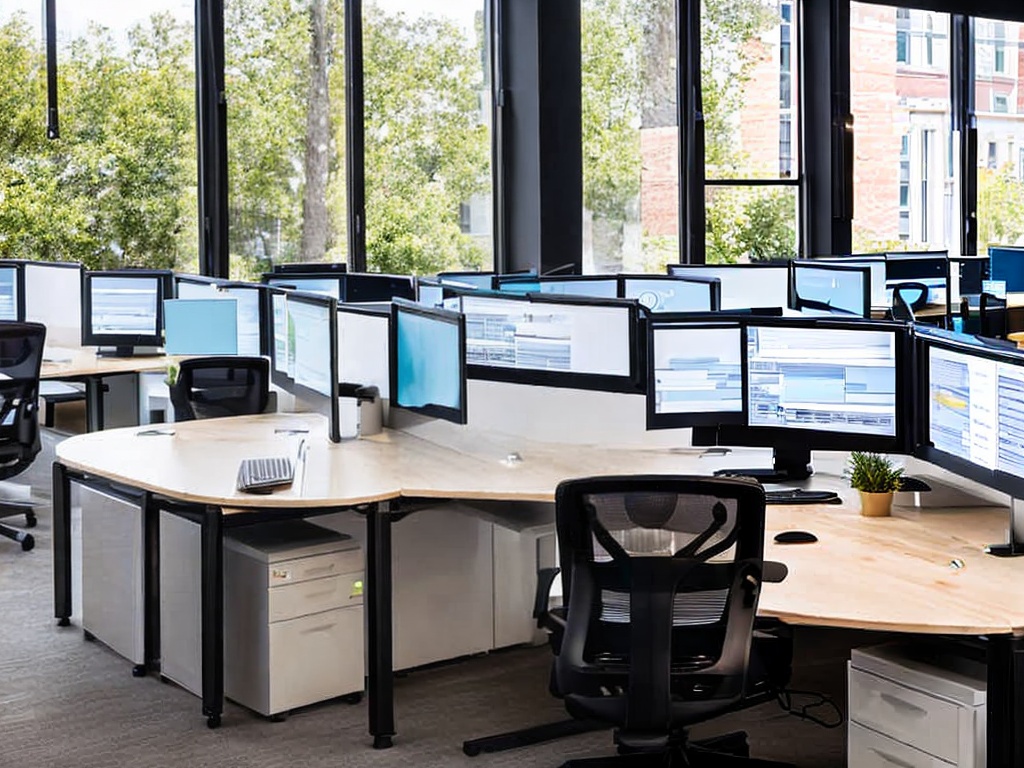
[749, 83]
[286, 132]
[905, 189]
[428, 136]
[747, 224]
[118, 187]
[630, 136]
[999, 104]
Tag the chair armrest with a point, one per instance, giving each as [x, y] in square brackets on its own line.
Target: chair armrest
[545, 578]
[774, 572]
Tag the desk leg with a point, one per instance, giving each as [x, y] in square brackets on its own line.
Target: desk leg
[93, 404]
[151, 584]
[213, 615]
[1005, 699]
[61, 545]
[381, 693]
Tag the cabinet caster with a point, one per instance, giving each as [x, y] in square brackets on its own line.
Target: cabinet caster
[382, 742]
[213, 721]
[352, 698]
[64, 622]
[139, 670]
[88, 636]
[30, 520]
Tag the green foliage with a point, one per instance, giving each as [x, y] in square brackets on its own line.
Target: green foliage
[1000, 208]
[873, 473]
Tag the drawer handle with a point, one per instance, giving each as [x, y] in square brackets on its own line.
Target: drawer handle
[892, 759]
[321, 569]
[897, 703]
[320, 593]
[321, 628]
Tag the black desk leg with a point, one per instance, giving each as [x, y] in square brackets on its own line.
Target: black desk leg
[151, 585]
[381, 685]
[1005, 700]
[213, 615]
[93, 404]
[61, 545]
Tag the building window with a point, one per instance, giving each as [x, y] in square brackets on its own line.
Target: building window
[929, 41]
[926, 142]
[999, 47]
[1000, 103]
[786, 146]
[902, 36]
[992, 155]
[904, 220]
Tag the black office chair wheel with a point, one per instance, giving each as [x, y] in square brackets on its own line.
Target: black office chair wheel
[213, 721]
[30, 520]
[27, 542]
[470, 750]
[139, 670]
[382, 742]
[352, 698]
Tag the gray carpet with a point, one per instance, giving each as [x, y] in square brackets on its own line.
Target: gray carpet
[64, 701]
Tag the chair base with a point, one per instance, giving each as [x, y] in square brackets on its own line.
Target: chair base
[726, 751]
[529, 736]
[26, 540]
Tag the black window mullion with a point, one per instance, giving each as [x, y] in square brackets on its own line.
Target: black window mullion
[355, 146]
[692, 213]
[962, 69]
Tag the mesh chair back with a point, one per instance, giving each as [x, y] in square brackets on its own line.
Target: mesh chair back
[661, 576]
[907, 297]
[21, 356]
[210, 387]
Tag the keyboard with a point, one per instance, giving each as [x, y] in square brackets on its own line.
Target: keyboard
[263, 475]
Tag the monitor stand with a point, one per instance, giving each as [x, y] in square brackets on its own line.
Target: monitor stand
[128, 351]
[788, 465]
[1015, 546]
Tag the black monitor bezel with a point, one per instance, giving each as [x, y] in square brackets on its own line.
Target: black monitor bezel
[681, 269]
[865, 271]
[19, 282]
[632, 383]
[165, 290]
[714, 287]
[301, 267]
[381, 277]
[1017, 248]
[809, 439]
[656, 420]
[278, 277]
[924, 449]
[455, 415]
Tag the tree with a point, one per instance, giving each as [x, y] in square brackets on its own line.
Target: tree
[1000, 208]
[316, 225]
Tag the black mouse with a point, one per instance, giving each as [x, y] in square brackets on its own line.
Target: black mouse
[795, 537]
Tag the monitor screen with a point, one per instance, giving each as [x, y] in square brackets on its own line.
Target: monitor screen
[189, 289]
[200, 327]
[429, 294]
[310, 361]
[606, 287]
[962, 405]
[661, 294]
[1007, 263]
[279, 323]
[248, 301]
[9, 293]
[479, 280]
[822, 287]
[53, 297]
[929, 268]
[324, 285]
[744, 285]
[124, 306]
[696, 375]
[823, 379]
[549, 336]
[376, 287]
[428, 370]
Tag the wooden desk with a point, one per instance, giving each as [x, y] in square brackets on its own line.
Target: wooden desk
[890, 574]
[89, 368]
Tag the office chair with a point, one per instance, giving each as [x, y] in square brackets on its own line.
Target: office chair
[661, 578]
[21, 355]
[209, 387]
[987, 317]
[906, 299]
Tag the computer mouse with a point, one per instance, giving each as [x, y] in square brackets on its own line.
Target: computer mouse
[795, 537]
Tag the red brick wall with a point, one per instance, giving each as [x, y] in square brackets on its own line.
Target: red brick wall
[659, 181]
[759, 118]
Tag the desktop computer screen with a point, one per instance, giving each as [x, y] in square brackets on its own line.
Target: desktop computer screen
[928, 267]
[823, 379]
[363, 346]
[200, 327]
[428, 372]
[1007, 263]
[362, 286]
[832, 288]
[124, 308]
[695, 376]
[480, 280]
[743, 285]
[594, 286]
[311, 361]
[962, 405]
[249, 303]
[664, 293]
[307, 282]
[279, 325]
[11, 298]
[52, 296]
[429, 293]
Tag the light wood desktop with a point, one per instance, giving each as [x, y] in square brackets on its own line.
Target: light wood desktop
[921, 571]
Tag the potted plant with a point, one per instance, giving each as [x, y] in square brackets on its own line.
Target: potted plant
[877, 478]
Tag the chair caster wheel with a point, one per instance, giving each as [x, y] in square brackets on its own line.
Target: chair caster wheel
[382, 742]
[139, 670]
[470, 750]
[213, 721]
[88, 636]
[30, 520]
[27, 542]
[352, 698]
[64, 622]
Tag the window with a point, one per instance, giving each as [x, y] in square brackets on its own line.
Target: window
[992, 150]
[748, 54]
[1000, 103]
[630, 136]
[999, 47]
[904, 207]
[1020, 165]
[902, 36]
[929, 41]
[926, 157]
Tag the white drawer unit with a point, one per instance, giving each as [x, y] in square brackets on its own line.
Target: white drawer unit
[293, 614]
[915, 705]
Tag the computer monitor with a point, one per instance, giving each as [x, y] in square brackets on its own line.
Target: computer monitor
[195, 286]
[829, 288]
[307, 266]
[252, 300]
[928, 267]
[665, 293]
[365, 286]
[1007, 263]
[364, 339]
[880, 298]
[743, 285]
[567, 341]
[200, 327]
[429, 293]
[428, 361]
[695, 374]
[12, 291]
[52, 296]
[822, 384]
[595, 286]
[304, 357]
[966, 276]
[479, 280]
[322, 283]
[123, 309]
